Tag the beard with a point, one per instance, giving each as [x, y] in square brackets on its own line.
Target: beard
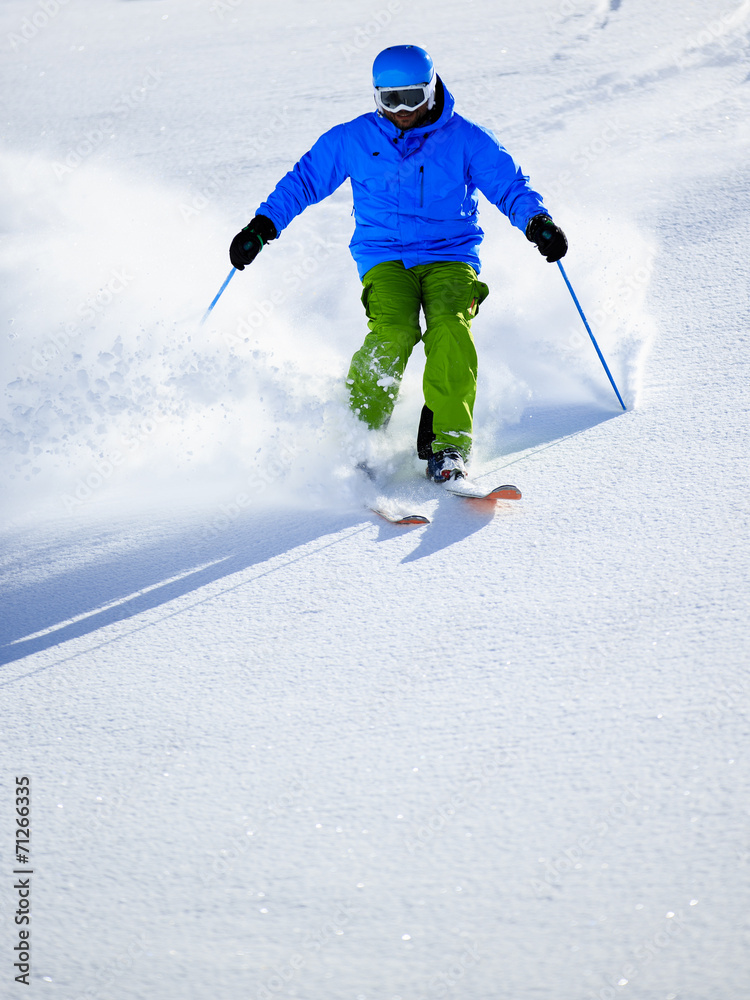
[408, 120]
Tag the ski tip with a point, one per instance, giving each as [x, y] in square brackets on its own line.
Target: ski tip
[472, 491]
[505, 493]
[402, 519]
[412, 519]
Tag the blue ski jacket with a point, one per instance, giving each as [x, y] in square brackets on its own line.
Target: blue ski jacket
[415, 192]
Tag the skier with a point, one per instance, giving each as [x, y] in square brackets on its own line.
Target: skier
[415, 167]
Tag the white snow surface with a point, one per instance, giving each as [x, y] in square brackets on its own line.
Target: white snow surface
[280, 748]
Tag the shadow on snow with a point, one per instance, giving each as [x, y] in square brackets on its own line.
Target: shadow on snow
[134, 565]
[137, 572]
[546, 427]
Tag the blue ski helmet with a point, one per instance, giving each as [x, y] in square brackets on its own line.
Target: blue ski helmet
[404, 78]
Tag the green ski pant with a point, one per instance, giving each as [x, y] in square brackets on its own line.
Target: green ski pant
[449, 294]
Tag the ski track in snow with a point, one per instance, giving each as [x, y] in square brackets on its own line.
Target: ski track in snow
[279, 747]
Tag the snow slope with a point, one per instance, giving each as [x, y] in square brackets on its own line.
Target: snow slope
[278, 748]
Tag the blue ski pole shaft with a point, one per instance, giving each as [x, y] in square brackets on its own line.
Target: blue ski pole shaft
[593, 339]
[217, 296]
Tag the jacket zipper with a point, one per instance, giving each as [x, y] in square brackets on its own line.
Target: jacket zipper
[421, 187]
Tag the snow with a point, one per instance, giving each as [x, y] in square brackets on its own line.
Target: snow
[280, 748]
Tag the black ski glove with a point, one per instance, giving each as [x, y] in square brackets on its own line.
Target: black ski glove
[548, 237]
[247, 244]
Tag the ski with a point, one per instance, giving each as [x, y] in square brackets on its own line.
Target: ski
[473, 491]
[399, 517]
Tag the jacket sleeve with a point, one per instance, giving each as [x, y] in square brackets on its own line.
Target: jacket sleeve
[316, 175]
[499, 178]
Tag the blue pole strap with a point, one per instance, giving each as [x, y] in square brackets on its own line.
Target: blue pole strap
[588, 330]
[217, 296]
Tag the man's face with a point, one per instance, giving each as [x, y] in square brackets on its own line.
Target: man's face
[407, 119]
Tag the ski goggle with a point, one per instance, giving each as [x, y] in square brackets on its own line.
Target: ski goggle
[404, 98]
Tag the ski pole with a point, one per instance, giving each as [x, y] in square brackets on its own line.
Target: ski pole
[217, 296]
[588, 330]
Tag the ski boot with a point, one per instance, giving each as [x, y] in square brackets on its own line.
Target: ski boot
[445, 465]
